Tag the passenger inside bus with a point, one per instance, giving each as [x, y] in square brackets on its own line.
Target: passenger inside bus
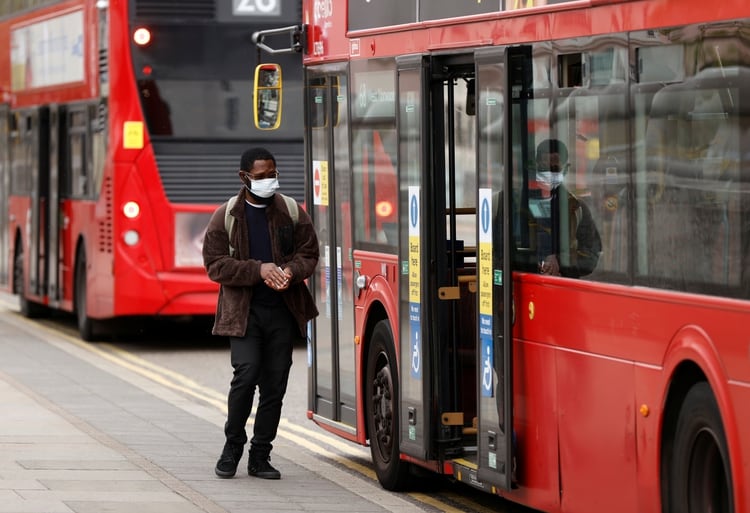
[570, 248]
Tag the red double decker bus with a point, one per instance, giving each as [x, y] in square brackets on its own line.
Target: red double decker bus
[535, 223]
[121, 127]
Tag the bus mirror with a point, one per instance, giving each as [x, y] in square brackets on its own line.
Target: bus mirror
[267, 93]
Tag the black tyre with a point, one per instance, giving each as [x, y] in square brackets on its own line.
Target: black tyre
[85, 323]
[381, 403]
[28, 308]
[699, 479]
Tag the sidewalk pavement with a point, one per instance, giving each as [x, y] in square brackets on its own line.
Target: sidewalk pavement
[81, 434]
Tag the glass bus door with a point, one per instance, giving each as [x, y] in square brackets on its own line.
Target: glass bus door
[494, 461]
[415, 405]
[39, 170]
[332, 360]
[54, 284]
[4, 192]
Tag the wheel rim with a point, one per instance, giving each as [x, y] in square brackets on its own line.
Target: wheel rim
[382, 408]
[707, 478]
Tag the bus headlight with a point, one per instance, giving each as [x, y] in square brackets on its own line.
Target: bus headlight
[131, 209]
[131, 237]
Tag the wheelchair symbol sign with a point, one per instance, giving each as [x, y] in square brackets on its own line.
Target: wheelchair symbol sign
[416, 352]
[487, 368]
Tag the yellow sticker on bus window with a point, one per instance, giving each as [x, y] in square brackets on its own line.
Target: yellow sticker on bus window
[484, 264]
[415, 250]
[132, 135]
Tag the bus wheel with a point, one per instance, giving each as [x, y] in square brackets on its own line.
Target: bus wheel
[699, 473]
[85, 323]
[28, 308]
[381, 404]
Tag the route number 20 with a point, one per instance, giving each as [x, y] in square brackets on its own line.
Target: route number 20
[256, 7]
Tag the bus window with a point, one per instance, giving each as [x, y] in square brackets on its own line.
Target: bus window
[78, 154]
[695, 211]
[374, 152]
[267, 93]
[318, 112]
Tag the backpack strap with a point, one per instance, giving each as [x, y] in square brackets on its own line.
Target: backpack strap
[291, 206]
[229, 220]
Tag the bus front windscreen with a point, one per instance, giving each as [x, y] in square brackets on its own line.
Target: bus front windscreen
[195, 81]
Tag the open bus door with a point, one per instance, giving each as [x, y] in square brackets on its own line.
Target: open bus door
[40, 131]
[30, 258]
[415, 370]
[450, 346]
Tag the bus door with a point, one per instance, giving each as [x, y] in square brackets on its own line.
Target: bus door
[494, 459]
[4, 193]
[55, 165]
[416, 413]
[332, 377]
[439, 227]
[38, 123]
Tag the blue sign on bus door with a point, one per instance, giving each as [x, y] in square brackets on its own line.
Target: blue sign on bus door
[485, 335]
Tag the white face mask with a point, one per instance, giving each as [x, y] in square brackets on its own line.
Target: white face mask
[549, 178]
[264, 188]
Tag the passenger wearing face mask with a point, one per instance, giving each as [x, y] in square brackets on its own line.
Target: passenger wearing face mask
[567, 241]
[263, 307]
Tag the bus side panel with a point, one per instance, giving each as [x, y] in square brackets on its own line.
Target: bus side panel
[535, 422]
[597, 433]
[381, 272]
[627, 391]
[649, 400]
[585, 419]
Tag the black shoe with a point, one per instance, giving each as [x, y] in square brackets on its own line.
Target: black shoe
[261, 467]
[230, 457]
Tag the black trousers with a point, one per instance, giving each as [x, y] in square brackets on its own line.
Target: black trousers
[262, 359]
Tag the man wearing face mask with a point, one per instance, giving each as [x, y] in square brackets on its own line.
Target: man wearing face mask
[567, 241]
[263, 307]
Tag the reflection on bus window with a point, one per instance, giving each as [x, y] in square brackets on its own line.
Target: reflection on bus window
[155, 108]
[317, 89]
[689, 181]
[374, 147]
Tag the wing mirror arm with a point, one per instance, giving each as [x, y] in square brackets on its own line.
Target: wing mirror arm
[297, 39]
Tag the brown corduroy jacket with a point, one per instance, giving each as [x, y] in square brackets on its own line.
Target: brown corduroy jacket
[294, 246]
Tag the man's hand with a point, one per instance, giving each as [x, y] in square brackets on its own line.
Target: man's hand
[275, 277]
[550, 266]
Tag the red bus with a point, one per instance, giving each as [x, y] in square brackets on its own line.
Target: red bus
[613, 377]
[121, 127]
